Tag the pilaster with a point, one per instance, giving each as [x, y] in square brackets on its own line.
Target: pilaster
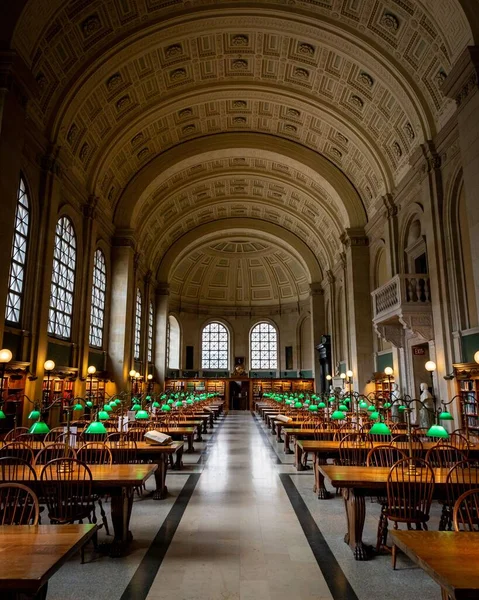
[316, 296]
[162, 309]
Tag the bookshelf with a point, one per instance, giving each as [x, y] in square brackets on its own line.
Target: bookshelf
[467, 380]
[382, 385]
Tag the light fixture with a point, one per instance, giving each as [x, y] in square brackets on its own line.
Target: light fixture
[34, 415]
[338, 415]
[328, 377]
[313, 407]
[298, 404]
[132, 373]
[39, 428]
[321, 405]
[379, 428]
[91, 370]
[96, 427]
[2, 414]
[150, 376]
[136, 406]
[157, 404]
[343, 407]
[445, 415]
[374, 415]
[103, 415]
[343, 375]
[142, 414]
[107, 408]
[437, 431]
[137, 375]
[77, 406]
[166, 408]
[349, 373]
[476, 356]
[49, 365]
[5, 355]
[388, 371]
[430, 366]
[363, 404]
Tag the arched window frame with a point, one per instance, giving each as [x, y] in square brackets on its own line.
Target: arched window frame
[151, 323]
[18, 261]
[62, 289]
[215, 343]
[263, 341]
[98, 300]
[137, 337]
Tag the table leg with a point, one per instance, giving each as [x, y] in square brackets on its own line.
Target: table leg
[279, 427]
[161, 490]
[199, 438]
[298, 457]
[319, 486]
[356, 513]
[189, 439]
[287, 449]
[121, 504]
[40, 594]
[179, 462]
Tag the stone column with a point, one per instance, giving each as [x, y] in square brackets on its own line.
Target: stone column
[392, 240]
[359, 306]
[162, 308]
[89, 245]
[318, 326]
[462, 84]
[145, 323]
[332, 309]
[122, 308]
[13, 101]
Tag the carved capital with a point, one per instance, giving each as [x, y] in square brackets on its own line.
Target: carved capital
[50, 162]
[124, 238]
[163, 289]
[354, 237]
[463, 79]
[89, 208]
[148, 277]
[391, 208]
[330, 277]
[316, 289]
[15, 77]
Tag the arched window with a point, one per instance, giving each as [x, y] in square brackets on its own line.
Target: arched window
[172, 343]
[16, 279]
[136, 353]
[151, 319]
[264, 347]
[214, 347]
[63, 280]
[98, 296]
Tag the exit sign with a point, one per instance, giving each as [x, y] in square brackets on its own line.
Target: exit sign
[418, 351]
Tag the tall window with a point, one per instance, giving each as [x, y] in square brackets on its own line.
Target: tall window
[16, 279]
[172, 343]
[63, 280]
[214, 347]
[98, 295]
[264, 347]
[137, 349]
[151, 318]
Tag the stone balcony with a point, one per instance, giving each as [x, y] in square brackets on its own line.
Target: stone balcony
[403, 305]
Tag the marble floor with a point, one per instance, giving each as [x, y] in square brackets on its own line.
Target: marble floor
[229, 530]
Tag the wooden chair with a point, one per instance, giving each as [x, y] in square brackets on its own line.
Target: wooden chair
[12, 435]
[401, 441]
[461, 478]
[95, 453]
[458, 440]
[465, 514]
[67, 490]
[123, 448]
[13, 468]
[19, 450]
[28, 438]
[54, 434]
[384, 455]
[445, 456]
[55, 450]
[137, 432]
[410, 485]
[354, 449]
[18, 505]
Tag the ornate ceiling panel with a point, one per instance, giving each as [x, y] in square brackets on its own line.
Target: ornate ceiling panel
[238, 272]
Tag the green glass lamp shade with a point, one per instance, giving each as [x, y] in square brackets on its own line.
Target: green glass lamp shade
[96, 427]
[2, 414]
[136, 407]
[380, 429]
[314, 397]
[446, 416]
[76, 407]
[337, 415]
[437, 431]
[156, 404]
[134, 400]
[179, 404]
[35, 414]
[163, 396]
[39, 428]
[332, 398]
[142, 414]
[171, 401]
[371, 408]
[343, 407]
[148, 398]
[190, 401]
[112, 403]
[363, 404]
[287, 402]
[107, 408]
[374, 415]
[103, 415]
[298, 405]
[166, 408]
[387, 405]
[313, 408]
[118, 401]
[307, 401]
[401, 408]
[301, 396]
[321, 405]
[89, 403]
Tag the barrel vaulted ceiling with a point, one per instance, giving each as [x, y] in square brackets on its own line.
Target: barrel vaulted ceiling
[122, 84]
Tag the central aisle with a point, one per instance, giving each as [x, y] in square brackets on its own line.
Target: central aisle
[239, 537]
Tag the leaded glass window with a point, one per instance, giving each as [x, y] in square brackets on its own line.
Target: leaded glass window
[16, 279]
[63, 280]
[264, 347]
[151, 317]
[98, 296]
[137, 349]
[214, 347]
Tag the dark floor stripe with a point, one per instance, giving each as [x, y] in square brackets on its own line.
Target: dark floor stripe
[147, 570]
[338, 584]
[145, 574]
[274, 455]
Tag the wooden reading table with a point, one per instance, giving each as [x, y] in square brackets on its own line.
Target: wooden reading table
[31, 554]
[450, 558]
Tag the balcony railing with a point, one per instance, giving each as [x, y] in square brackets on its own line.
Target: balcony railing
[409, 290]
